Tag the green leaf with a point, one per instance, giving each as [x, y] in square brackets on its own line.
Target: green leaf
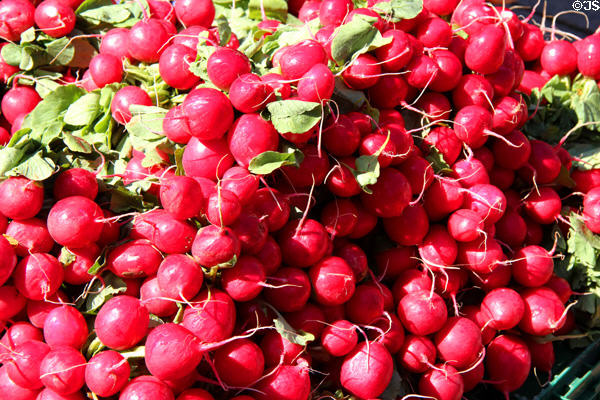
[84, 110]
[76, 144]
[294, 116]
[223, 29]
[436, 158]
[356, 37]
[66, 257]
[269, 161]
[366, 172]
[28, 36]
[103, 13]
[95, 347]
[557, 89]
[36, 167]
[199, 67]
[347, 99]
[274, 9]
[586, 103]
[136, 352]
[98, 295]
[11, 53]
[288, 332]
[10, 157]
[146, 122]
[61, 51]
[587, 156]
[178, 156]
[582, 244]
[397, 10]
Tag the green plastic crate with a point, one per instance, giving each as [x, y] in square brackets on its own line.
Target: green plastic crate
[580, 380]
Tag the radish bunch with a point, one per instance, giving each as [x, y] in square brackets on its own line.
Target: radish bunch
[285, 211]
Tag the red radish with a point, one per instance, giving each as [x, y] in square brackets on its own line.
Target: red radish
[438, 249]
[241, 182]
[171, 351]
[245, 146]
[134, 259]
[544, 312]
[223, 208]
[486, 200]
[443, 197]
[175, 126]
[65, 325]
[309, 319]
[434, 32]
[63, 370]
[389, 92]
[195, 12]
[561, 287]
[153, 299]
[285, 382]
[416, 354]
[11, 302]
[333, 281]
[470, 172]
[367, 370]
[471, 125]
[107, 373]
[482, 256]
[24, 366]
[168, 234]
[126, 97]
[206, 159]
[16, 392]
[18, 101]
[114, 42]
[444, 382]
[422, 312]
[339, 338]
[303, 243]
[174, 67]
[146, 386]
[485, 51]
[106, 69]
[532, 266]
[211, 316]
[20, 198]
[340, 136]
[449, 70]
[75, 182]
[37, 310]
[585, 180]
[588, 62]
[18, 333]
[543, 205]
[511, 228]
[423, 71]
[312, 170]
[32, 236]
[251, 231]
[147, 39]
[507, 363]
[54, 18]
[225, 65]
[298, 59]
[248, 93]
[365, 224]
[410, 228]
[559, 57]
[410, 281]
[239, 363]
[363, 73]
[380, 145]
[316, 84]
[445, 141]
[122, 322]
[290, 289]
[334, 12]
[310, 11]
[38, 276]
[339, 217]
[393, 261]
[512, 157]
[503, 308]
[75, 221]
[270, 255]
[214, 245]
[392, 335]
[544, 164]
[390, 195]
[276, 348]
[181, 196]
[419, 173]
[278, 85]
[201, 394]
[209, 113]
[15, 18]
[179, 277]
[245, 280]
[465, 225]
[474, 314]
[542, 355]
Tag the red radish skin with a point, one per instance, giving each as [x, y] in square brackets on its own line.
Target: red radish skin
[394, 261]
[332, 281]
[507, 363]
[339, 338]
[54, 18]
[559, 57]
[153, 299]
[8, 260]
[38, 276]
[393, 336]
[174, 67]
[153, 34]
[171, 351]
[290, 291]
[122, 322]
[465, 225]
[303, 243]
[20, 198]
[482, 256]
[165, 232]
[214, 245]
[11, 302]
[409, 281]
[271, 206]
[533, 266]
[486, 200]
[248, 93]
[334, 12]
[245, 280]
[285, 382]
[443, 197]
[241, 182]
[410, 228]
[179, 277]
[225, 65]
[367, 370]
[239, 363]
[107, 373]
[106, 69]
[63, 370]
[366, 305]
[316, 84]
[442, 382]
[503, 308]
[126, 97]
[75, 182]
[278, 349]
[438, 249]
[341, 136]
[146, 387]
[24, 366]
[422, 312]
[209, 113]
[561, 287]
[16, 392]
[211, 316]
[201, 394]
[66, 326]
[543, 205]
[309, 318]
[417, 354]
[175, 126]
[206, 159]
[182, 197]
[544, 313]
[245, 146]
[134, 259]
[339, 217]
[390, 195]
[298, 59]
[473, 90]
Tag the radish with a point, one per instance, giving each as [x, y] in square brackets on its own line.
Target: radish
[105, 69]
[107, 373]
[585, 180]
[75, 221]
[270, 206]
[339, 338]
[482, 256]
[473, 377]
[507, 363]
[339, 217]
[440, 7]
[239, 363]
[393, 261]
[423, 70]
[419, 173]
[303, 243]
[174, 66]
[298, 59]
[340, 136]
[54, 18]
[175, 126]
[124, 98]
[11, 302]
[206, 159]
[366, 305]
[211, 316]
[49, 394]
[445, 141]
[416, 354]
[367, 370]
[18, 101]
[134, 259]
[290, 289]
[503, 308]
[543, 205]
[278, 85]
[270, 256]
[214, 245]
[442, 382]
[474, 314]
[241, 182]
[245, 280]
[393, 333]
[390, 195]
[114, 42]
[472, 90]
[363, 73]
[23, 368]
[544, 312]
[182, 197]
[422, 312]
[471, 125]
[434, 32]
[201, 394]
[63, 370]
[470, 172]
[389, 92]
[223, 208]
[248, 93]
[559, 57]
[465, 225]
[309, 319]
[153, 299]
[486, 200]
[65, 325]
[195, 12]
[332, 281]
[225, 65]
[32, 236]
[316, 84]
[179, 277]
[561, 287]
[334, 12]
[75, 182]
[533, 266]
[15, 18]
[365, 224]
[146, 387]
[449, 70]
[38, 276]
[121, 322]
[209, 113]
[37, 310]
[512, 157]
[410, 228]
[588, 62]
[373, 144]
[435, 105]
[171, 351]
[542, 355]
[18, 333]
[20, 198]
[278, 349]
[245, 146]
[409, 281]
[312, 170]
[443, 197]
[438, 249]
[544, 164]
[9, 388]
[6, 70]
[285, 382]
[147, 39]
[168, 234]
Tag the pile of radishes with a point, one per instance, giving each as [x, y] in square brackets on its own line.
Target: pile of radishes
[368, 251]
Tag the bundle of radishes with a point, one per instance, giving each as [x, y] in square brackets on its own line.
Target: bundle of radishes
[353, 200]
